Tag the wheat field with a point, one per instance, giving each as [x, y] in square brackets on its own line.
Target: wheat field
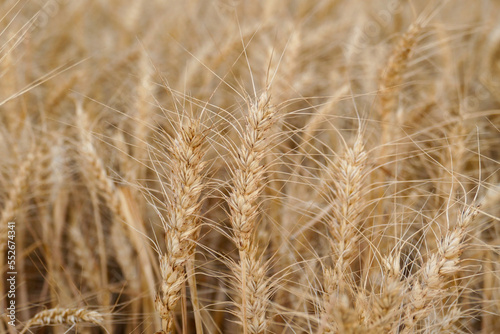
[231, 166]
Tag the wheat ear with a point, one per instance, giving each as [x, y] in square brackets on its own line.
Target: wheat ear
[84, 257]
[444, 263]
[346, 181]
[114, 198]
[387, 304]
[392, 77]
[244, 207]
[64, 316]
[182, 223]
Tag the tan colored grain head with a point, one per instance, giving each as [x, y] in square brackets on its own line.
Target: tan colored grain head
[58, 316]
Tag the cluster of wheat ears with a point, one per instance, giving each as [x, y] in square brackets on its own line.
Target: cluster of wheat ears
[265, 166]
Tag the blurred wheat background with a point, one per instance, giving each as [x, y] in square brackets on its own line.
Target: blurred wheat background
[275, 166]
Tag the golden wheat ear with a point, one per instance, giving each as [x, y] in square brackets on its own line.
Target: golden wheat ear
[346, 182]
[429, 285]
[244, 211]
[182, 223]
[57, 316]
